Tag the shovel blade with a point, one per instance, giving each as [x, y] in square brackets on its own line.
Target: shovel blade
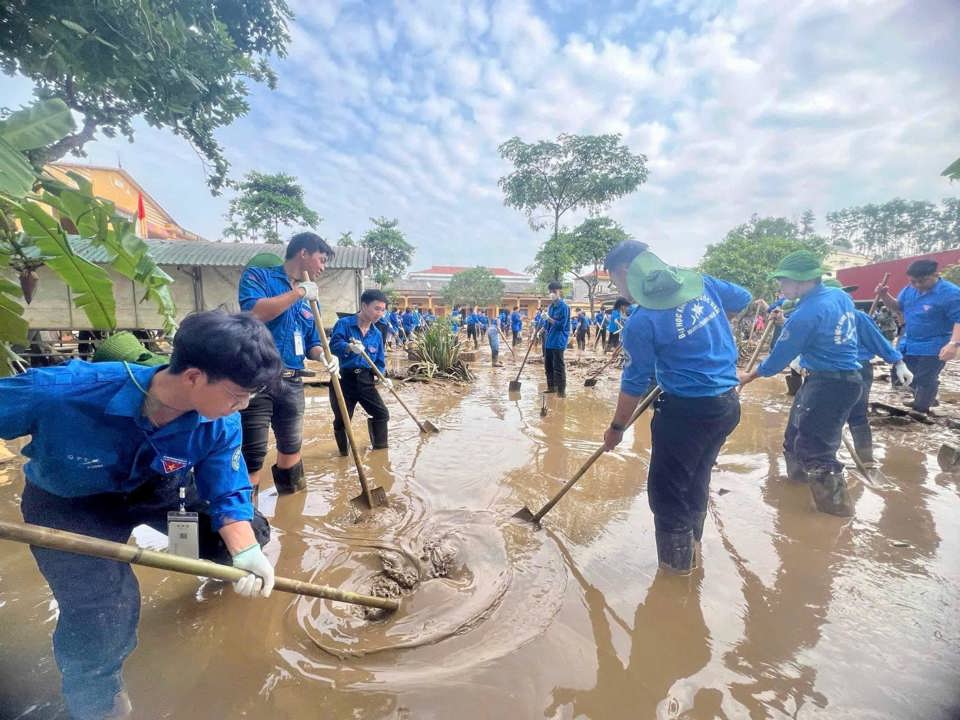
[428, 427]
[949, 457]
[514, 386]
[525, 514]
[377, 495]
[590, 382]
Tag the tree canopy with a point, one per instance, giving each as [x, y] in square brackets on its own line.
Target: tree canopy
[574, 172]
[180, 64]
[476, 286]
[390, 253]
[953, 170]
[264, 203]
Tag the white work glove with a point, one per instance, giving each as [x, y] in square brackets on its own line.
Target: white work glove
[356, 347]
[387, 383]
[310, 290]
[332, 365]
[903, 373]
[260, 579]
[795, 365]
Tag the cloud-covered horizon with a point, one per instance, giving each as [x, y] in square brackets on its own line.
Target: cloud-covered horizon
[740, 107]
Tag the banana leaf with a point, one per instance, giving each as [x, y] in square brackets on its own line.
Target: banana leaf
[42, 123]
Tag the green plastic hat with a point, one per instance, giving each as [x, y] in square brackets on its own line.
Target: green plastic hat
[658, 286]
[834, 283]
[800, 265]
[125, 347]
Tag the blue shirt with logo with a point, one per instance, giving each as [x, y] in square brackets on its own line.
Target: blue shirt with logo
[558, 331]
[822, 329]
[347, 329]
[613, 324]
[689, 349]
[928, 317]
[257, 283]
[88, 437]
[516, 321]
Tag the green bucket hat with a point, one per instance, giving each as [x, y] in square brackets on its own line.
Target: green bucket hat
[658, 286]
[125, 347]
[800, 265]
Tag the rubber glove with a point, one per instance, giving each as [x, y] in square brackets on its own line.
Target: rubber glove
[260, 579]
[332, 365]
[356, 347]
[903, 373]
[310, 290]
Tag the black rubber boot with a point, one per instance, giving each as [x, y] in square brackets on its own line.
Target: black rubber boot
[795, 473]
[675, 551]
[341, 437]
[378, 433]
[289, 480]
[830, 494]
[865, 454]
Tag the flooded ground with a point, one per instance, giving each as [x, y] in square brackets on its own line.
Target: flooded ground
[794, 614]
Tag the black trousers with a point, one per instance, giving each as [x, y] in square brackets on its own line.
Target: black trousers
[358, 387]
[281, 409]
[516, 336]
[858, 421]
[926, 379]
[472, 333]
[581, 339]
[819, 412]
[613, 341]
[555, 369]
[687, 436]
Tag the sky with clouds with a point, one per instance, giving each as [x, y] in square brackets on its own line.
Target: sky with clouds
[760, 106]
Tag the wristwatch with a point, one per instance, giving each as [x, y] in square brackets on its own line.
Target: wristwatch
[617, 427]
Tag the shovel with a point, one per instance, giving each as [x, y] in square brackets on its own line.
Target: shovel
[507, 343]
[515, 384]
[369, 497]
[592, 380]
[543, 405]
[525, 514]
[949, 457]
[426, 426]
[858, 462]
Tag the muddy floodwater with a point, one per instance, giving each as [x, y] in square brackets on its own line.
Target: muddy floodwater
[794, 613]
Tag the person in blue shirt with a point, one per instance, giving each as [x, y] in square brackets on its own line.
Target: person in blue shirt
[822, 330]
[582, 323]
[930, 310]
[615, 323]
[417, 320]
[557, 320]
[408, 322]
[351, 336]
[279, 297]
[516, 324]
[598, 322]
[473, 320]
[111, 444]
[680, 338]
[493, 337]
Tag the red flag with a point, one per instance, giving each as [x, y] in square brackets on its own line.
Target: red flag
[141, 215]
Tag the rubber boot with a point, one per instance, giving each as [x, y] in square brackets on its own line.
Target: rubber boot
[866, 455]
[289, 480]
[675, 551]
[341, 437]
[493, 358]
[830, 494]
[795, 472]
[378, 433]
[863, 443]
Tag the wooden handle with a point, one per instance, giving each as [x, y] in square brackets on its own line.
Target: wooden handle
[876, 299]
[390, 388]
[756, 353]
[527, 354]
[121, 552]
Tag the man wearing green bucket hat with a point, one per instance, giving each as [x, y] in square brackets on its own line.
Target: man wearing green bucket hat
[679, 335]
[822, 330]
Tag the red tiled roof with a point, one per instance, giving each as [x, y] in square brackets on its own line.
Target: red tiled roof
[454, 269]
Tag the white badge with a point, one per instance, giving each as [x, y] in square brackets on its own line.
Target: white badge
[297, 343]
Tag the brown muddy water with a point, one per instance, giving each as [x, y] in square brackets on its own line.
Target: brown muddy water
[794, 614]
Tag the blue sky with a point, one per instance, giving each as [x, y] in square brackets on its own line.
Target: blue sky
[759, 106]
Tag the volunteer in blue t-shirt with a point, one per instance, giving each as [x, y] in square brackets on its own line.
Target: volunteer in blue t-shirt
[679, 336]
[516, 324]
[822, 330]
[930, 309]
[111, 445]
[557, 324]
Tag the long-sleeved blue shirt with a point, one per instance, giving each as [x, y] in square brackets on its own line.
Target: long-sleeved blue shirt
[89, 436]
[688, 349]
[872, 342]
[822, 329]
[928, 317]
[408, 322]
[347, 329]
[558, 331]
[293, 330]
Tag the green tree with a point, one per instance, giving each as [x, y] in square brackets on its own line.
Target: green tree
[590, 242]
[180, 64]
[896, 228]
[390, 253]
[807, 224]
[346, 239]
[553, 259]
[265, 202]
[476, 286]
[953, 170]
[575, 172]
[751, 251]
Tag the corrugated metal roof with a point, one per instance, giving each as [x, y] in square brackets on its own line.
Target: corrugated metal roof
[204, 253]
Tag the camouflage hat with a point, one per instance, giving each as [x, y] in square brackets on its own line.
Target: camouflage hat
[800, 266]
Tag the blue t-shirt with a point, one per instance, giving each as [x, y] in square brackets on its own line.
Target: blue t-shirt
[88, 437]
[516, 321]
[347, 329]
[688, 349]
[558, 331]
[822, 329]
[257, 283]
[613, 324]
[598, 318]
[928, 317]
[408, 321]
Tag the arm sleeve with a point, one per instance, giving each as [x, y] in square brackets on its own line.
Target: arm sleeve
[637, 342]
[870, 337]
[733, 297]
[253, 287]
[311, 338]
[222, 478]
[339, 339]
[796, 330]
[380, 359]
[17, 405]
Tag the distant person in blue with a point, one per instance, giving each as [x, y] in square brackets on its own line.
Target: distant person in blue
[822, 330]
[111, 444]
[618, 319]
[493, 337]
[557, 323]
[280, 297]
[351, 336]
[602, 330]
[871, 344]
[516, 324]
[473, 322]
[680, 338]
[408, 322]
[930, 310]
[582, 327]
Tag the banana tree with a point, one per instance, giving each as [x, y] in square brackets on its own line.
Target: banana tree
[30, 236]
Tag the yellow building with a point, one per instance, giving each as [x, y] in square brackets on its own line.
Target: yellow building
[118, 186]
[424, 289]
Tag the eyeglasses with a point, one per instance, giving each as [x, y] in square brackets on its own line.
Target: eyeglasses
[241, 398]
